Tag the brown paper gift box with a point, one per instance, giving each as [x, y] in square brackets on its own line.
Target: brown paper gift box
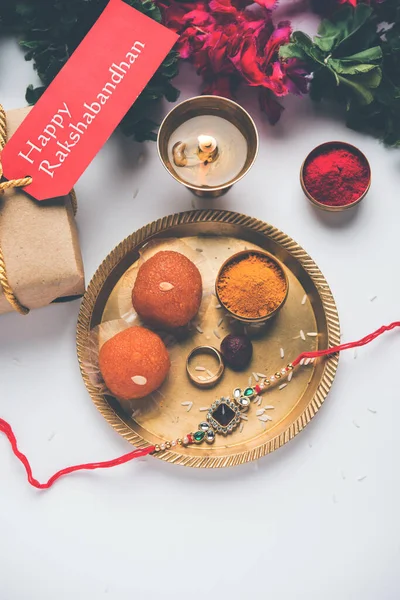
[40, 244]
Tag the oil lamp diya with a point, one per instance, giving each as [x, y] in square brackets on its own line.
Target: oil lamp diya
[208, 143]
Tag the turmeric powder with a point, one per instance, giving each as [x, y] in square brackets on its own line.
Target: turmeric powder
[252, 287]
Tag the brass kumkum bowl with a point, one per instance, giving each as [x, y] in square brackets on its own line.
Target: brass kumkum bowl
[333, 145]
[237, 257]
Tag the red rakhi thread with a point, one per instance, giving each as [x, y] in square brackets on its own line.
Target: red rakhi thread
[6, 428]
[365, 340]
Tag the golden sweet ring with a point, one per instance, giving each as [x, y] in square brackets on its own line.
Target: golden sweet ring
[210, 381]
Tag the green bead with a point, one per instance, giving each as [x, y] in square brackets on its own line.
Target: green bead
[199, 436]
[248, 392]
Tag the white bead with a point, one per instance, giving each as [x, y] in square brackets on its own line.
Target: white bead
[162, 446]
[185, 440]
[173, 444]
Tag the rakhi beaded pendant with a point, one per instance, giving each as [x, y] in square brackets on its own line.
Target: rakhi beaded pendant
[225, 414]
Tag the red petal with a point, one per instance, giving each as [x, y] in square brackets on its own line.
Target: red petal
[246, 62]
[268, 4]
[222, 6]
[220, 86]
[280, 36]
[270, 106]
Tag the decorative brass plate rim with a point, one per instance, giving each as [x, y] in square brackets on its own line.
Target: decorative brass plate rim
[217, 216]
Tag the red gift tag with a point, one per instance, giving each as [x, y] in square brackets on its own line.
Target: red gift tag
[86, 101]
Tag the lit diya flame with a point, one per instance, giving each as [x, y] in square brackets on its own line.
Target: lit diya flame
[202, 150]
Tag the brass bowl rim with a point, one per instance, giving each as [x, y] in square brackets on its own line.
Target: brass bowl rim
[273, 259]
[216, 188]
[328, 207]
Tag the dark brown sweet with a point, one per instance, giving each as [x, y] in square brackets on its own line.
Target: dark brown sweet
[167, 290]
[237, 351]
[134, 363]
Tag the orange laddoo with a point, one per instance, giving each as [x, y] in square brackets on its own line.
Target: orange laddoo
[167, 290]
[134, 363]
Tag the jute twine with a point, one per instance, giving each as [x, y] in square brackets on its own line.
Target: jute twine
[5, 185]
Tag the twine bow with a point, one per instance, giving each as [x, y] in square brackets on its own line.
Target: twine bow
[5, 185]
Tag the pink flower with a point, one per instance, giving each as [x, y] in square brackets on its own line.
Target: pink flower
[230, 43]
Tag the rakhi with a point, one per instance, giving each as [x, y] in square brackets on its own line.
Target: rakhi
[222, 417]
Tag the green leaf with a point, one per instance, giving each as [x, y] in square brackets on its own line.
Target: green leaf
[333, 34]
[370, 55]
[361, 92]
[292, 50]
[343, 68]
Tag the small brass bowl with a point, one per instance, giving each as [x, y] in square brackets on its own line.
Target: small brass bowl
[332, 146]
[235, 258]
[208, 105]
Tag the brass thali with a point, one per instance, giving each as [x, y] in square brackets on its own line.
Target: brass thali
[310, 308]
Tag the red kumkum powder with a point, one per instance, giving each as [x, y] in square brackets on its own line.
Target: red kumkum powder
[336, 176]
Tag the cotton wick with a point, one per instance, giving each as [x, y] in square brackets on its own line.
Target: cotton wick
[207, 143]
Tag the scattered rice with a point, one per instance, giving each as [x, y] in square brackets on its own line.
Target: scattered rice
[135, 193]
[283, 385]
[355, 353]
[201, 378]
[308, 361]
[269, 407]
[244, 417]
[361, 478]
[302, 361]
[296, 337]
[209, 373]
[372, 411]
[199, 249]
[220, 322]
[216, 334]
[256, 377]
[303, 337]
[188, 404]
[245, 330]
[258, 400]
[260, 412]
[356, 424]
[264, 418]
[199, 369]
[199, 329]
[312, 334]
[262, 375]
[373, 298]
[256, 325]
[241, 427]
[203, 408]
[282, 353]
[218, 306]
[250, 381]
[289, 377]
[304, 300]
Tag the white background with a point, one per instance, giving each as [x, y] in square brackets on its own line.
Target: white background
[297, 524]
